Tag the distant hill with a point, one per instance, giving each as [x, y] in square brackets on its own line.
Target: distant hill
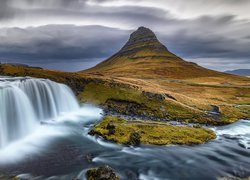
[21, 65]
[241, 72]
[145, 56]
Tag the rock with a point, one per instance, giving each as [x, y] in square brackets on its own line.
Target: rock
[89, 157]
[111, 129]
[150, 95]
[141, 38]
[215, 109]
[134, 139]
[197, 126]
[124, 107]
[170, 96]
[102, 173]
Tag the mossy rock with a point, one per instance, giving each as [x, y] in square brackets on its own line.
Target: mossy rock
[135, 132]
[102, 173]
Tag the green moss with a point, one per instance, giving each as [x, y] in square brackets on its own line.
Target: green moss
[103, 93]
[151, 132]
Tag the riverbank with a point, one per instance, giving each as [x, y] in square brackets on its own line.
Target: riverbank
[207, 100]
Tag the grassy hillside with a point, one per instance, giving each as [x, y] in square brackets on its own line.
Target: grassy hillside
[188, 100]
[190, 92]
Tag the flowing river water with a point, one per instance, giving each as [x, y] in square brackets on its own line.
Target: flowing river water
[46, 137]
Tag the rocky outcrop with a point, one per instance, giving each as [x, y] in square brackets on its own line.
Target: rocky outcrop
[140, 39]
[157, 96]
[132, 108]
[102, 173]
[215, 110]
[151, 95]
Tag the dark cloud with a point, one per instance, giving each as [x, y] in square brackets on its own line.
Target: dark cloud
[89, 45]
[220, 38]
[190, 45]
[6, 12]
[59, 44]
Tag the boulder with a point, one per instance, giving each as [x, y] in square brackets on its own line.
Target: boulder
[102, 173]
[215, 109]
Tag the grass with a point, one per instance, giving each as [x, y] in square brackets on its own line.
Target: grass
[151, 132]
[193, 97]
[185, 109]
[102, 93]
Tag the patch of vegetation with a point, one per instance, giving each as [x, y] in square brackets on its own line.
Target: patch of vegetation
[120, 98]
[131, 101]
[246, 110]
[232, 114]
[149, 132]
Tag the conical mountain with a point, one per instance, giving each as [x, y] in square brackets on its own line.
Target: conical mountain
[142, 39]
[145, 56]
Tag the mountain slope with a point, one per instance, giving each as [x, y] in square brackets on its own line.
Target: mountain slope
[144, 56]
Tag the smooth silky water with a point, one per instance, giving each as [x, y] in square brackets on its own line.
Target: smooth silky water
[44, 134]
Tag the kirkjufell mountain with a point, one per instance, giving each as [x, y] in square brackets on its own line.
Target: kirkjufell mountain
[144, 55]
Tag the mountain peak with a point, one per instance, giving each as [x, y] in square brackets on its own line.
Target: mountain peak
[144, 56]
[143, 33]
[143, 38]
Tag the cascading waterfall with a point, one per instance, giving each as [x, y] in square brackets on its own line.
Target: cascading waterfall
[24, 102]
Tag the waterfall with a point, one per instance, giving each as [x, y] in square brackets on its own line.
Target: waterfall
[24, 102]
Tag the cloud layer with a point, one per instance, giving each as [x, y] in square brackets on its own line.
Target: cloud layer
[54, 33]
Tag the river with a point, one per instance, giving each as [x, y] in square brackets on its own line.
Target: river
[59, 147]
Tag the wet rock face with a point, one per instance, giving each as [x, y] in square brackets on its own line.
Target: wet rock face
[102, 173]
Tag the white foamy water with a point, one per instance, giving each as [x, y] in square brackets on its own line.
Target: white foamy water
[27, 101]
[58, 144]
[239, 131]
[45, 133]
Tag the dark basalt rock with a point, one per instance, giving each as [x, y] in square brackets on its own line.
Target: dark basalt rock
[215, 110]
[102, 173]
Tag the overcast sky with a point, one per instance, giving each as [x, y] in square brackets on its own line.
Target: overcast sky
[73, 35]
